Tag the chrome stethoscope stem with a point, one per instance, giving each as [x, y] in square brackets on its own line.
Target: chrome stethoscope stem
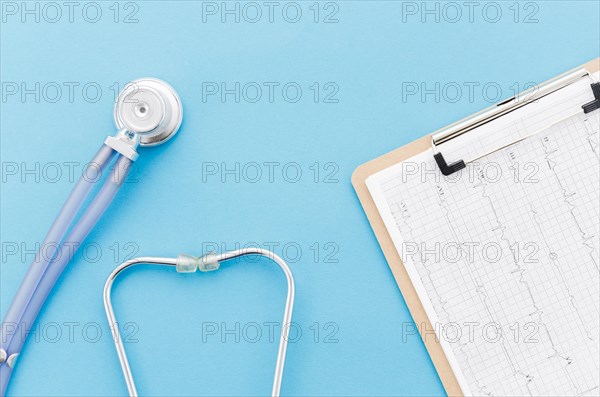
[206, 263]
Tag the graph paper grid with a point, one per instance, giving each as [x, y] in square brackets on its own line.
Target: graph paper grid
[507, 256]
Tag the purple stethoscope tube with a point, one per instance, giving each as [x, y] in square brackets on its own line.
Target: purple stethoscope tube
[148, 112]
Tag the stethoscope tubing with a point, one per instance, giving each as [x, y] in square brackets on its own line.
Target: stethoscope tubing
[44, 273]
[285, 325]
[148, 112]
[51, 242]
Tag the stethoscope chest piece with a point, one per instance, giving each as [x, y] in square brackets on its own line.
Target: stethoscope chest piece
[149, 108]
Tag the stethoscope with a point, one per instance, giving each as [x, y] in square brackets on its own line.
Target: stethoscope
[147, 112]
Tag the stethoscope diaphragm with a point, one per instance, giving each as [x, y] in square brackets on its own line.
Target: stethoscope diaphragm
[149, 108]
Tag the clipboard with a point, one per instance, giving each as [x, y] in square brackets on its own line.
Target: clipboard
[364, 171]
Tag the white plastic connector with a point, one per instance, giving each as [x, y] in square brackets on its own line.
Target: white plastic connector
[125, 143]
[186, 263]
[208, 263]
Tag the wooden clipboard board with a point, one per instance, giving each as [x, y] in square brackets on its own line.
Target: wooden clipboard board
[359, 177]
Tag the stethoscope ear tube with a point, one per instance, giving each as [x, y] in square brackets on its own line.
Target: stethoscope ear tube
[188, 264]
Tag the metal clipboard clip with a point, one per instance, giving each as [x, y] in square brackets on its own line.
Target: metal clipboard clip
[485, 116]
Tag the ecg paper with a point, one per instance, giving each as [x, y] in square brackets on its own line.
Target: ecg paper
[504, 255]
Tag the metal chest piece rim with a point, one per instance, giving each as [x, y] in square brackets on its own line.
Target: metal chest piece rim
[149, 108]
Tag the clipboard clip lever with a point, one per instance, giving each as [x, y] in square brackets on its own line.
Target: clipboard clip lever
[448, 169]
[595, 104]
[485, 116]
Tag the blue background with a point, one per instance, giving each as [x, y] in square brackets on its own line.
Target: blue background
[344, 287]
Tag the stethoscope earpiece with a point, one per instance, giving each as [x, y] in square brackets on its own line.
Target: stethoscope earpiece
[149, 108]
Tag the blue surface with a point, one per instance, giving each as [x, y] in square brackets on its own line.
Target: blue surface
[373, 54]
